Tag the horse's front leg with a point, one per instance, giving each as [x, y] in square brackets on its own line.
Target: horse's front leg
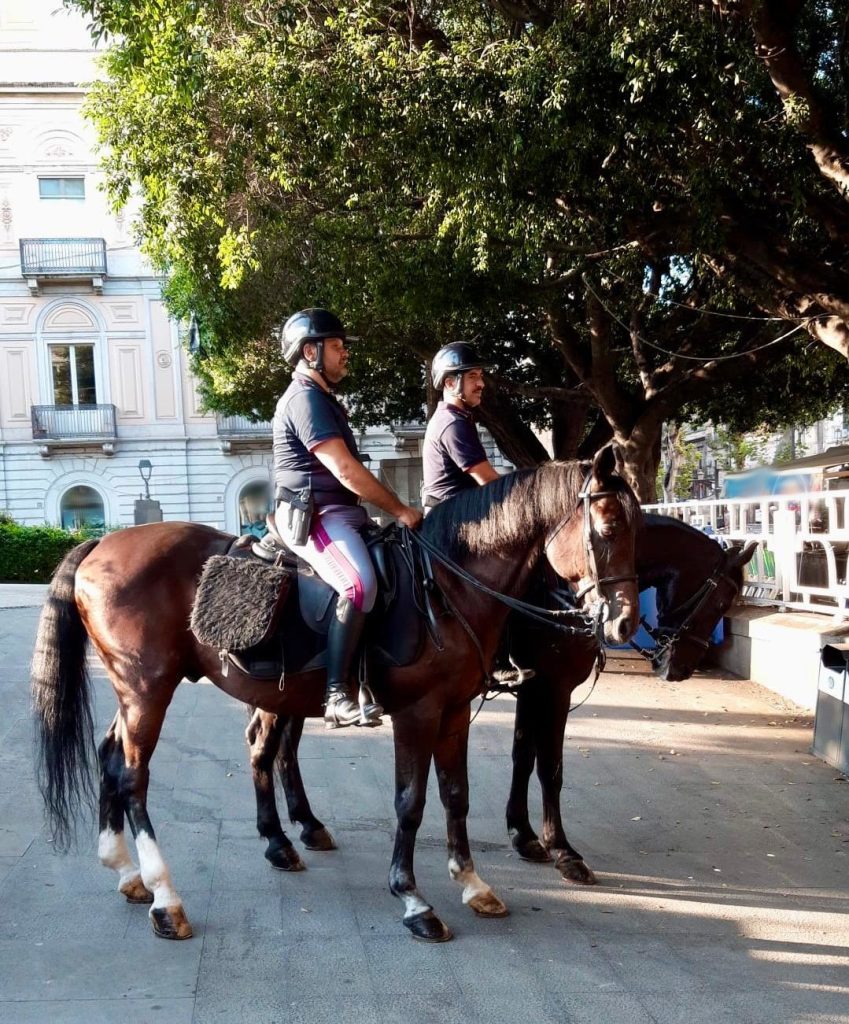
[525, 841]
[263, 734]
[451, 757]
[415, 731]
[549, 730]
[313, 834]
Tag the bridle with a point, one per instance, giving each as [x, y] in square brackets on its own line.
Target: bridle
[570, 620]
[592, 581]
[666, 637]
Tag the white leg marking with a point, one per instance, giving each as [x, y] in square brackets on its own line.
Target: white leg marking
[414, 904]
[155, 874]
[472, 884]
[114, 853]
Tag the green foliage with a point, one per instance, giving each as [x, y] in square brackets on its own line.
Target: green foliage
[30, 554]
[734, 450]
[474, 186]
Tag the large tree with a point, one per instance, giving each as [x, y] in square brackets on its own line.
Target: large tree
[580, 186]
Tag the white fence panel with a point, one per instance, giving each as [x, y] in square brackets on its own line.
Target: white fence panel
[803, 542]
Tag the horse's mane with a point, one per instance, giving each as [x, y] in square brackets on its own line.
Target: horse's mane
[516, 506]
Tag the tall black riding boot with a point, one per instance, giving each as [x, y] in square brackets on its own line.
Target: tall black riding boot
[343, 641]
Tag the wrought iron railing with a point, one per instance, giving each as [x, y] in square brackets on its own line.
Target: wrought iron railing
[242, 426]
[63, 257]
[73, 422]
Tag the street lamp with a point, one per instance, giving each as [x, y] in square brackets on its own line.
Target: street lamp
[145, 470]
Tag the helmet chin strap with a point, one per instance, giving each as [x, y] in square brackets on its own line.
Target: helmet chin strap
[317, 364]
[457, 390]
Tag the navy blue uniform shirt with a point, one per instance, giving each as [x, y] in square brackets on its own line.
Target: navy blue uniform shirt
[305, 416]
[451, 448]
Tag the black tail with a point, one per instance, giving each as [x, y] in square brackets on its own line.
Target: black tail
[60, 691]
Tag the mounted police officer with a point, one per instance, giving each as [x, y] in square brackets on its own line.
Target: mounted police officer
[454, 459]
[320, 482]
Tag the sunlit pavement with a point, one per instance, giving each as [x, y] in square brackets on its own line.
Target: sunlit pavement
[721, 846]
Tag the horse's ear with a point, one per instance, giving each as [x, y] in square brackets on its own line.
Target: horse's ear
[742, 556]
[604, 463]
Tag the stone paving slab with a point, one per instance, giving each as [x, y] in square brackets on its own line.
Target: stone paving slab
[720, 843]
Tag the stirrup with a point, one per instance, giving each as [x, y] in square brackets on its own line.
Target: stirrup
[340, 712]
[511, 676]
[370, 710]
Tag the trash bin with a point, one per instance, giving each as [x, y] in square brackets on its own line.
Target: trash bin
[831, 724]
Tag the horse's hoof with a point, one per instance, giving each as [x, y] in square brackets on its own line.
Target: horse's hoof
[134, 891]
[427, 927]
[487, 904]
[170, 923]
[576, 871]
[318, 839]
[284, 858]
[531, 849]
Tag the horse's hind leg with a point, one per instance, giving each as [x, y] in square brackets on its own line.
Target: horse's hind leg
[450, 755]
[525, 841]
[263, 734]
[313, 833]
[112, 844]
[139, 728]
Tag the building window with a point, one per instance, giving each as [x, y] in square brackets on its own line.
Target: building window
[61, 188]
[81, 507]
[255, 502]
[72, 372]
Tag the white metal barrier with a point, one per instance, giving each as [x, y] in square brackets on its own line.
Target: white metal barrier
[803, 541]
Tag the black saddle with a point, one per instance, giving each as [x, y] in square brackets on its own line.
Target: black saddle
[294, 637]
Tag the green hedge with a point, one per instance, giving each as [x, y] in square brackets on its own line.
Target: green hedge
[29, 554]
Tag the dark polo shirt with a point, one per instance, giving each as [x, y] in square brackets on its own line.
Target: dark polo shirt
[305, 416]
[451, 448]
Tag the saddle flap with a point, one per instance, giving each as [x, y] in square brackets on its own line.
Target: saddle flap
[238, 602]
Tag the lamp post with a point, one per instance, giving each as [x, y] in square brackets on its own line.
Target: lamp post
[146, 510]
[145, 470]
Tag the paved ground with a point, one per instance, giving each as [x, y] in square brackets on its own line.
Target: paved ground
[721, 845]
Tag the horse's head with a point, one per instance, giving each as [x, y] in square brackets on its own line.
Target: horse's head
[593, 546]
[687, 617]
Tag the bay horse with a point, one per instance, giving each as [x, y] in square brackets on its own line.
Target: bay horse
[132, 592]
[696, 581]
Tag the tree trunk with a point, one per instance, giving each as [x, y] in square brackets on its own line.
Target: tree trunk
[639, 457]
[514, 437]
[568, 425]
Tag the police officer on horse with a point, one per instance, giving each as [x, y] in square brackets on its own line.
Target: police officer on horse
[320, 482]
[453, 456]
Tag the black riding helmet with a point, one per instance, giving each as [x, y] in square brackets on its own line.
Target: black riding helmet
[310, 325]
[453, 360]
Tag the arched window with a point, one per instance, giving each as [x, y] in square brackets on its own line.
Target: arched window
[255, 501]
[81, 506]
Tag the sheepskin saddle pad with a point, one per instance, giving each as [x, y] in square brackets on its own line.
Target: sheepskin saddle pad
[238, 602]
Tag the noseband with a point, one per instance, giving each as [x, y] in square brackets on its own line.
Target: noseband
[665, 637]
[586, 497]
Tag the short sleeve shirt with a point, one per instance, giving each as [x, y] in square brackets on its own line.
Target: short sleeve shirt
[451, 448]
[305, 416]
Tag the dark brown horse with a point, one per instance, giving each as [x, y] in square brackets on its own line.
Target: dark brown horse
[132, 594]
[696, 583]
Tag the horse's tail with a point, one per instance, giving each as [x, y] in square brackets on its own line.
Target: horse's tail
[60, 691]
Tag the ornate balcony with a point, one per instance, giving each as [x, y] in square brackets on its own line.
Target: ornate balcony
[65, 426]
[46, 259]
